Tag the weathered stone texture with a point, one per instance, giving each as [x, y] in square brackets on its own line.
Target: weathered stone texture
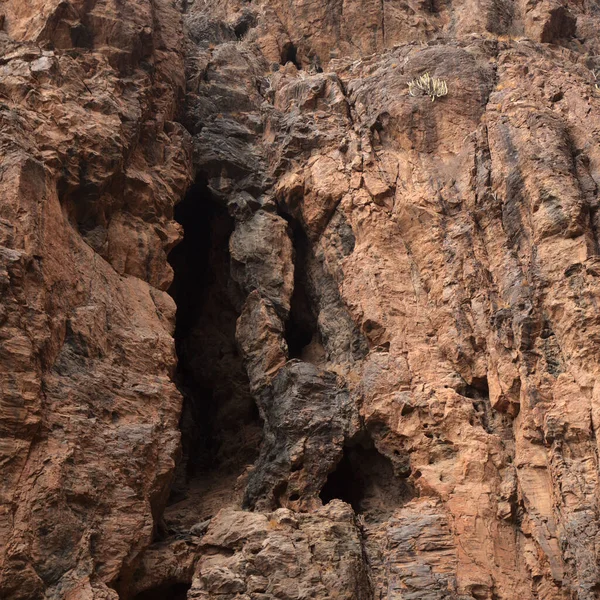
[407, 290]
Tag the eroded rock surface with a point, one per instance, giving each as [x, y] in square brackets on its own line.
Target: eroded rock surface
[387, 307]
[92, 164]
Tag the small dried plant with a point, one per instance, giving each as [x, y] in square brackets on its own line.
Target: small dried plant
[596, 74]
[429, 86]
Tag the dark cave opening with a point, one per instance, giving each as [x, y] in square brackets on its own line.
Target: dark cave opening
[289, 53]
[220, 425]
[561, 26]
[478, 388]
[176, 591]
[344, 484]
[365, 479]
[301, 328]
[491, 420]
[190, 258]
[479, 393]
[244, 24]
[431, 6]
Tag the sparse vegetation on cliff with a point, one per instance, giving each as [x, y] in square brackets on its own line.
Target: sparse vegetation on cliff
[429, 86]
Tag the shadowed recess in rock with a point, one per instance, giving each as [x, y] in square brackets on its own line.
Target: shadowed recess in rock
[289, 53]
[219, 425]
[319, 328]
[365, 479]
[301, 327]
[177, 591]
[490, 420]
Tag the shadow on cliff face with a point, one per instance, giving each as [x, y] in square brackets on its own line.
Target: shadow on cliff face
[301, 328]
[177, 591]
[365, 479]
[220, 426]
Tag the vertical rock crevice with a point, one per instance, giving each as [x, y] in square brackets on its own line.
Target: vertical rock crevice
[319, 329]
[220, 426]
[302, 331]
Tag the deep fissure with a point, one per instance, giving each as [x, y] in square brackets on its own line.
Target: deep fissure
[220, 425]
[301, 328]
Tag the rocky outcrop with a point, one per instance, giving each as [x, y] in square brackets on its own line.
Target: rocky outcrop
[386, 306]
[283, 554]
[92, 164]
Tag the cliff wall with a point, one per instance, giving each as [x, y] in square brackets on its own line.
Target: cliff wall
[274, 328]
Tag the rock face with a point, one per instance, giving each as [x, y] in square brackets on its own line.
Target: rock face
[92, 164]
[369, 369]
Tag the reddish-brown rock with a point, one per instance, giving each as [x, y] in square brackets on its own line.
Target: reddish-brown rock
[92, 164]
[381, 379]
